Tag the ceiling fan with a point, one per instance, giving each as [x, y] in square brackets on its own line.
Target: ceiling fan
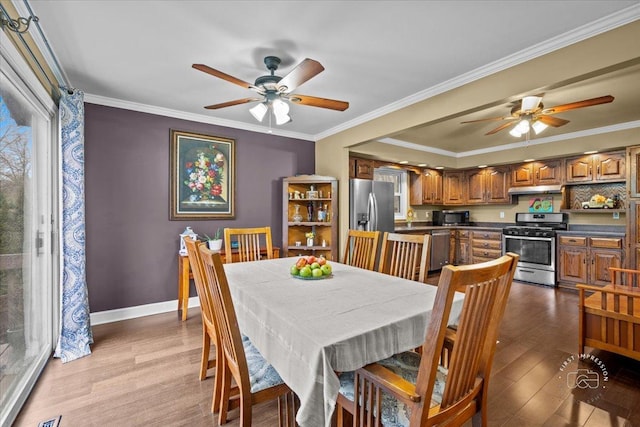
[531, 113]
[274, 90]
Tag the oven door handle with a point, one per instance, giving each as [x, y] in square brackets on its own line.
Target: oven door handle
[544, 239]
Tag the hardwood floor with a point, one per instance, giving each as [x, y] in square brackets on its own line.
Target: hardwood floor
[145, 372]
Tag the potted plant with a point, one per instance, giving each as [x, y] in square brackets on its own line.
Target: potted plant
[215, 242]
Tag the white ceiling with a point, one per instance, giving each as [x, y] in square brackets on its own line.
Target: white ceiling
[379, 56]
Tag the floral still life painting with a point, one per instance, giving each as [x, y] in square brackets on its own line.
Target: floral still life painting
[202, 176]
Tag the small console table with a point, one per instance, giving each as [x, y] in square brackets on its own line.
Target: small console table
[185, 274]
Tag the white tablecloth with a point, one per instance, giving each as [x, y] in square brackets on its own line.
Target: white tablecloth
[308, 329]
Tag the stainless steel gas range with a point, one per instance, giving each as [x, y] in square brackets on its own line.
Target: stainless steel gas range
[534, 239]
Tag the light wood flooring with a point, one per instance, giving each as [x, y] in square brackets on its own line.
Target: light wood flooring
[144, 372]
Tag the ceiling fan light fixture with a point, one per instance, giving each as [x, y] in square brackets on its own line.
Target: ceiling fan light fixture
[538, 127]
[530, 103]
[515, 132]
[259, 111]
[281, 111]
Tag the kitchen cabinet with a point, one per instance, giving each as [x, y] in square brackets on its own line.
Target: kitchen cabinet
[318, 197]
[486, 245]
[462, 248]
[488, 185]
[594, 168]
[425, 187]
[361, 168]
[633, 179]
[586, 260]
[537, 173]
[453, 184]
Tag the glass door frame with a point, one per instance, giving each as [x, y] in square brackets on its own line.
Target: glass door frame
[44, 217]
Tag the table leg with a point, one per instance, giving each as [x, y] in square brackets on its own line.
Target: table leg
[183, 286]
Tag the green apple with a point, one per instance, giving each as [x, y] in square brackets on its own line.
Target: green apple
[294, 270]
[315, 266]
[305, 271]
[326, 269]
[316, 272]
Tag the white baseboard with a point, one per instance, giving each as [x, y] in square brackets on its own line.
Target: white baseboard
[116, 315]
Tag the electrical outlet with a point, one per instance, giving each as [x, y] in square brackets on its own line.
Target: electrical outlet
[616, 215]
[427, 214]
[501, 214]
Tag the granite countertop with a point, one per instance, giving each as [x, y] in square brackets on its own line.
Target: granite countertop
[590, 233]
[401, 228]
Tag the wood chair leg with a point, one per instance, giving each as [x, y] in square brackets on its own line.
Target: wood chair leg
[204, 362]
[288, 405]
[217, 385]
[225, 395]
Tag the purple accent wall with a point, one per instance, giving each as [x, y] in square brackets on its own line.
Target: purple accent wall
[132, 246]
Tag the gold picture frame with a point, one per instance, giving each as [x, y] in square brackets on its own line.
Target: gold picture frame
[202, 178]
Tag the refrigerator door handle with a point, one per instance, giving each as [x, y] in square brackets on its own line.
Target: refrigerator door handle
[374, 213]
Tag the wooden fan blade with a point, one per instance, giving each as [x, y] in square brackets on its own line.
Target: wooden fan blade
[553, 121]
[223, 76]
[491, 119]
[231, 103]
[313, 101]
[499, 128]
[579, 104]
[301, 73]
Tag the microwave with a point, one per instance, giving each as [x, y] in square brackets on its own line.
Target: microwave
[450, 217]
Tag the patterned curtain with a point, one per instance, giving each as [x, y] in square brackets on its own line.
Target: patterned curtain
[75, 326]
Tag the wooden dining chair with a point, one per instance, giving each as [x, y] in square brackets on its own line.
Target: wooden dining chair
[249, 241]
[405, 255]
[361, 249]
[416, 390]
[209, 327]
[256, 381]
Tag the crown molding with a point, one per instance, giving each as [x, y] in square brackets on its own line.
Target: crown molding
[520, 144]
[576, 35]
[200, 118]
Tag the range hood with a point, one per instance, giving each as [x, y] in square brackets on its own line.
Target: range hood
[536, 189]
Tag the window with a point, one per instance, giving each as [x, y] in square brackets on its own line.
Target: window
[399, 179]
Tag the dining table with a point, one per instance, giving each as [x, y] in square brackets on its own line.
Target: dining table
[311, 330]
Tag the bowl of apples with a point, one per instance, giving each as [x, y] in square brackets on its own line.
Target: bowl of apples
[311, 268]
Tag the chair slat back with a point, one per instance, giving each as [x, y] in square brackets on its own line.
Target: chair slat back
[486, 287]
[361, 249]
[405, 255]
[626, 279]
[197, 268]
[249, 241]
[225, 315]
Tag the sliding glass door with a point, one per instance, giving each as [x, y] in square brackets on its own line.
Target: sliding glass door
[26, 224]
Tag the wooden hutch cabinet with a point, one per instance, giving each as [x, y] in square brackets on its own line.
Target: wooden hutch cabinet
[310, 205]
[537, 173]
[633, 207]
[600, 167]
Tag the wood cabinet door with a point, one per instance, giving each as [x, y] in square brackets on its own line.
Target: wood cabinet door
[453, 188]
[548, 173]
[522, 175]
[352, 167]
[579, 169]
[610, 166]
[364, 168]
[633, 174]
[572, 264]
[463, 256]
[476, 188]
[601, 260]
[415, 188]
[497, 185]
[431, 186]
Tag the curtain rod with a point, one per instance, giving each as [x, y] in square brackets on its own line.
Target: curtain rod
[52, 63]
[58, 71]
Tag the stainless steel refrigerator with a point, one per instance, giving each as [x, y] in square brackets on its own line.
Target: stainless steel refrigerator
[371, 205]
